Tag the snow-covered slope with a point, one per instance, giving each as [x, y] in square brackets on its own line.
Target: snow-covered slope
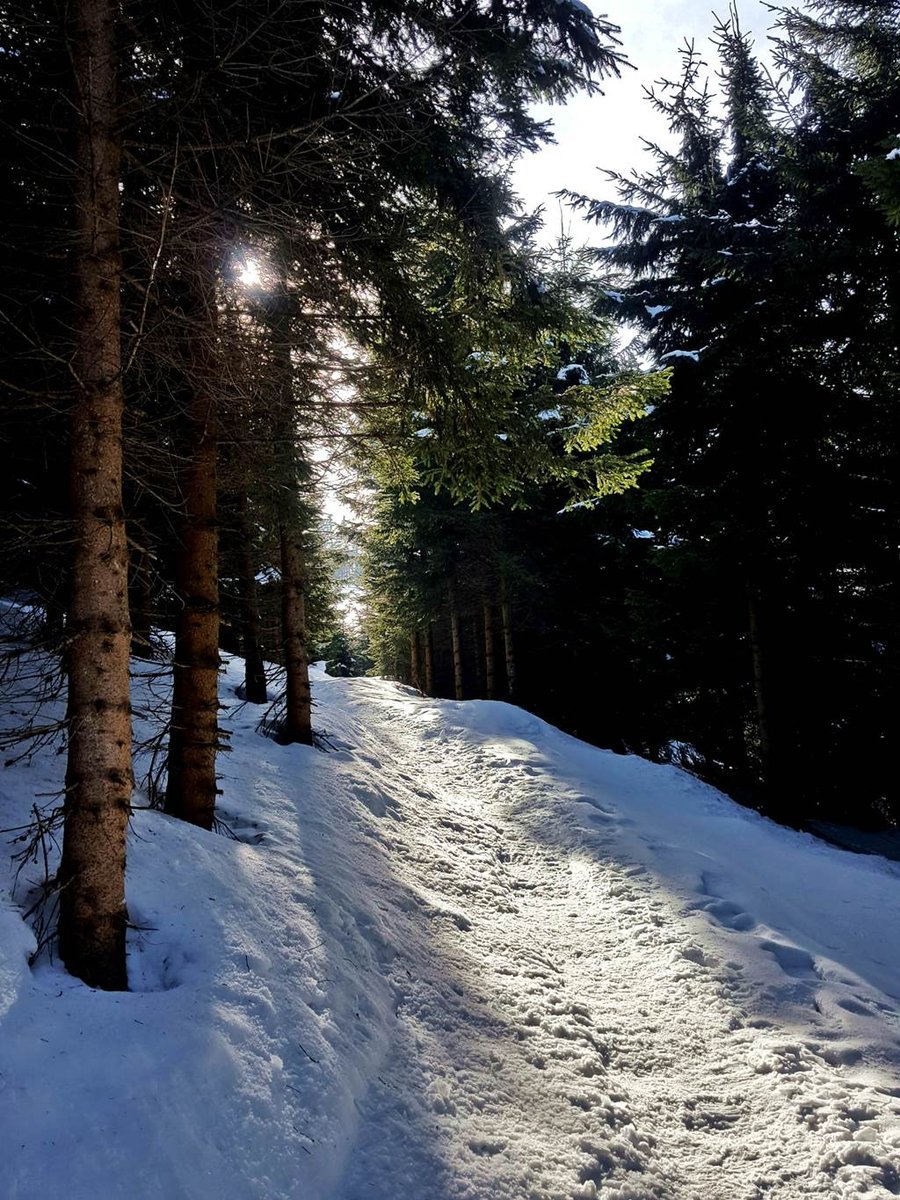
[460, 955]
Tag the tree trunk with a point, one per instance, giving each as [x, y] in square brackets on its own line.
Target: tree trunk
[297, 725]
[56, 604]
[194, 738]
[140, 599]
[254, 669]
[508, 649]
[429, 661]
[477, 657]
[414, 664]
[99, 778]
[456, 643]
[759, 686]
[490, 681]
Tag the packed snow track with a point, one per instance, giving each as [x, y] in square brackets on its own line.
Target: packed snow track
[455, 954]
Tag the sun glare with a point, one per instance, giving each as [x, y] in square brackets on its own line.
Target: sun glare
[249, 273]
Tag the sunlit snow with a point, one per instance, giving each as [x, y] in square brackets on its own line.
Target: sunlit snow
[456, 954]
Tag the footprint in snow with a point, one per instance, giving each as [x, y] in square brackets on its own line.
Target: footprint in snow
[486, 1147]
[599, 814]
[712, 1112]
[240, 829]
[728, 915]
[792, 960]
[696, 954]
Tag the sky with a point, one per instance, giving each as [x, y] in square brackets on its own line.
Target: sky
[604, 132]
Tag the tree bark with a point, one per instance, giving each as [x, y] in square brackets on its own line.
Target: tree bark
[99, 780]
[759, 686]
[140, 599]
[254, 668]
[508, 648]
[429, 661]
[415, 670]
[194, 737]
[777, 733]
[297, 725]
[456, 643]
[490, 680]
[477, 657]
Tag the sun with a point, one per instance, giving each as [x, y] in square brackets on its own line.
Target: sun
[250, 274]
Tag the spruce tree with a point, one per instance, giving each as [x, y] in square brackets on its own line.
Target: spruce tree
[98, 768]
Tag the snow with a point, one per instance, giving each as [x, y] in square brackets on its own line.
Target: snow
[636, 210]
[892, 154]
[425, 432]
[573, 374]
[486, 356]
[655, 310]
[618, 297]
[457, 954]
[693, 354]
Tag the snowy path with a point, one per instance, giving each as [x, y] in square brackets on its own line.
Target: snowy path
[459, 956]
[570, 1034]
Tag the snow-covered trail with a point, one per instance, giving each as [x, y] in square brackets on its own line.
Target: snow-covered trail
[566, 1025]
[456, 956]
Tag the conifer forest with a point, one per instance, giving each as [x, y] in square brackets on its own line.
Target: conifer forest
[387, 561]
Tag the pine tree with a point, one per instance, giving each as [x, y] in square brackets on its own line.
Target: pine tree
[98, 769]
[370, 137]
[759, 270]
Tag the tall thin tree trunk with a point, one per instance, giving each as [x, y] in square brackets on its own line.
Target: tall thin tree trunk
[477, 656]
[254, 668]
[297, 725]
[456, 643]
[760, 686]
[56, 604]
[98, 772]
[140, 601]
[508, 647]
[415, 669]
[429, 661]
[490, 680]
[194, 738]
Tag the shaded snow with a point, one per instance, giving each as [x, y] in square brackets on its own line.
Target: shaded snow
[461, 956]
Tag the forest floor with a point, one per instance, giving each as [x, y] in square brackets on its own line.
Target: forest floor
[455, 954]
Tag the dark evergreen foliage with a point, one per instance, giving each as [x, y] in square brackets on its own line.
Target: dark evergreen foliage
[737, 613]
